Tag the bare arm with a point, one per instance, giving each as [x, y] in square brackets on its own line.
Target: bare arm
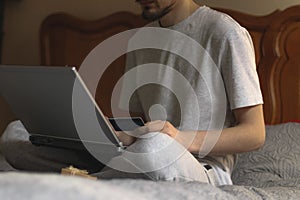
[247, 135]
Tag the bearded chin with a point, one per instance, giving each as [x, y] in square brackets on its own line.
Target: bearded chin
[156, 16]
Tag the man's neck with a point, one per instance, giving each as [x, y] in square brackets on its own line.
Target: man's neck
[180, 11]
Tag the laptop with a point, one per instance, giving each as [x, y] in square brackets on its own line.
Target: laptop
[57, 109]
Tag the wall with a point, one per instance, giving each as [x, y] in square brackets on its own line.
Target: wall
[23, 18]
[256, 7]
[21, 29]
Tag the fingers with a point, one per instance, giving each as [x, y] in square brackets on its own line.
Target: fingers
[154, 126]
[169, 129]
[157, 126]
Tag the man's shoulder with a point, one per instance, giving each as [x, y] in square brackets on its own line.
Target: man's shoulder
[218, 22]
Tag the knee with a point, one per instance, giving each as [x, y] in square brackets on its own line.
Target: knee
[151, 142]
[156, 154]
[12, 141]
[155, 149]
[15, 132]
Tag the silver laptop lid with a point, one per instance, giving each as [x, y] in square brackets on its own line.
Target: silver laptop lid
[54, 102]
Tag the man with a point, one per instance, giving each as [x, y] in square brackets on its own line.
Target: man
[230, 47]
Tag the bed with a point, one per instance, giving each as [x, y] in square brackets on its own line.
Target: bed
[273, 172]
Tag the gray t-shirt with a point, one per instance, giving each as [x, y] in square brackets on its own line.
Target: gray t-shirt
[169, 87]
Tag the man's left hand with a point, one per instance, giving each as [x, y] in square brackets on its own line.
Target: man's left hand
[158, 126]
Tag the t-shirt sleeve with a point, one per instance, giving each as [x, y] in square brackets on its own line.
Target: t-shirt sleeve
[239, 70]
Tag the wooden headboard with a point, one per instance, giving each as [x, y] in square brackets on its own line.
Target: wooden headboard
[66, 40]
